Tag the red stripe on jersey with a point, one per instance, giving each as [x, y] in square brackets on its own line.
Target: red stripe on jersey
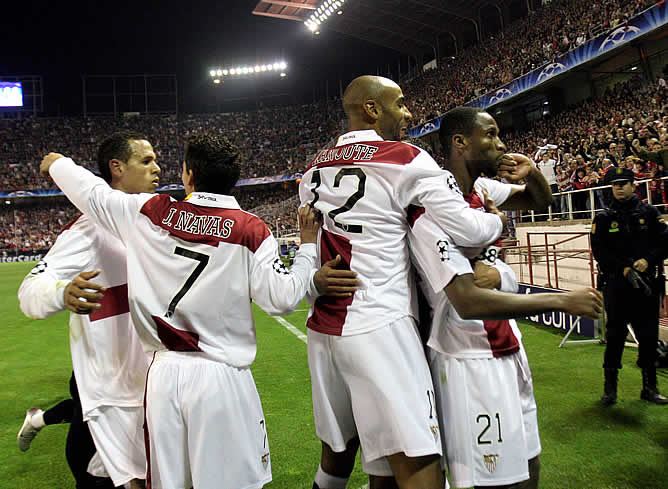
[206, 225]
[412, 214]
[501, 338]
[329, 313]
[389, 152]
[475, 202]
[176, 339]
[114, 303]
[71, 223]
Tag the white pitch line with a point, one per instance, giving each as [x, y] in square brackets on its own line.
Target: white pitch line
[286, 324]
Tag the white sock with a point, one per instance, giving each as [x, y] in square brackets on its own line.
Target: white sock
[37, 421]
[326, 481]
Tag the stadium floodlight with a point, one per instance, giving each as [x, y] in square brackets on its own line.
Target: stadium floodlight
[270, 67]
[283, 65]
[340, 12]
[233, 71]
[216, 80]
[225, 72]
[219, 72]
[276, 66]
[212, 72]
[283, 74]
[257, 68]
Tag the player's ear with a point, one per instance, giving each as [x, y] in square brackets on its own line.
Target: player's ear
[116, 168]
[460, 142]
[372, 110]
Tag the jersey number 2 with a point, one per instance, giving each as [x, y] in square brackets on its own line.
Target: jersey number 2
[203, 261]
[350, 202]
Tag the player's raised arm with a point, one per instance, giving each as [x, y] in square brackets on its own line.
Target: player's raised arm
[112, 209]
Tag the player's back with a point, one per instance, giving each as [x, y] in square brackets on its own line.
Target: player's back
[357, 186]
[191, 267]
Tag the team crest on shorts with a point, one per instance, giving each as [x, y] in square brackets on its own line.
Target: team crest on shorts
[434, 431]
[490, 461]
[265, 460]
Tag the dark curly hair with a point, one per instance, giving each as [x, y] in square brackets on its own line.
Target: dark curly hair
[115, 147]
[460, 120]
[214, 161]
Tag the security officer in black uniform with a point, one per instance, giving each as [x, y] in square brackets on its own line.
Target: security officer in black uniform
[630, 241]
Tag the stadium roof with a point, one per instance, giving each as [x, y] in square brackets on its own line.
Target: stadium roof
[407, 26]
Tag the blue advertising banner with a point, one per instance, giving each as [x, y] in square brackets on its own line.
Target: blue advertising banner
[560, 320]
[641, 24]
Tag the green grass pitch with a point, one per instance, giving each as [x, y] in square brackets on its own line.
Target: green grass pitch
[584, 444]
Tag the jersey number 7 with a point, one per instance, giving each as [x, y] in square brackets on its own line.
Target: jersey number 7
[203, 261]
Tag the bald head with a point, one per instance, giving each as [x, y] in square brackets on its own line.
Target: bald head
[375, 102]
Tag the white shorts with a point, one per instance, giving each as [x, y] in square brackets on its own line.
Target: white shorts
[488, 418]
[119, 440]
[376, 386]
[204, 424]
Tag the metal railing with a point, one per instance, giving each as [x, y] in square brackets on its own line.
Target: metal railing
[594, 203]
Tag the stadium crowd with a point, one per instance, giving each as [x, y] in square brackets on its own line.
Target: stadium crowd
[551, 30]
[276, 140]
[616, 129]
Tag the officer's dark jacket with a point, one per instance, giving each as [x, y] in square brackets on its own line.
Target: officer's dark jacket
[626, 232]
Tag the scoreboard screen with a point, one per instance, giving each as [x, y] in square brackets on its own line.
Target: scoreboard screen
[11, 94]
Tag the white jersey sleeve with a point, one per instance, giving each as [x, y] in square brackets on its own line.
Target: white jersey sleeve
[275, 288]
[499, 192]
[434, 254]
[41, 293]
[114, 210]
[508, 277]
[442, 198]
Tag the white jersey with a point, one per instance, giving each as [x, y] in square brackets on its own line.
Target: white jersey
[193, 266]
[364, 187]
[438, 262]
[107, 357]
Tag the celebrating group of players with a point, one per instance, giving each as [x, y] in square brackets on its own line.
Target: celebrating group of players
[163, 338]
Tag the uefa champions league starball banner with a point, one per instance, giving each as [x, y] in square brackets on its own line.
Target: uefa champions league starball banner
[639, 25]
[558, 319]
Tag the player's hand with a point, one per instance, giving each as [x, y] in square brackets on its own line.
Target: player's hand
[640, 265]
[514, 167]
[309, 224]
[486, 276]
[81, 288]
[584, 302]
[47, 161]
[490, 206]
[337, 283]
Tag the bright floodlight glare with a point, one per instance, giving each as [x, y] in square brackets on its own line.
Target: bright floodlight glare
[270, 67]
[276, 66]
[257, 68]
[225, 72]
[216, 80]
[233, 71]
[263, 67]
[340, 12]
[283, 65]
[212, 72]
[283, 74]
[219, 72]
[317, 33]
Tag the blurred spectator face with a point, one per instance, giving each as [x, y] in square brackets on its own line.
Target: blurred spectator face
[613, 148]
[629, 136]
[654, 144]
[630, 164]
[579, 159]
[606, 163]
[600, 153]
